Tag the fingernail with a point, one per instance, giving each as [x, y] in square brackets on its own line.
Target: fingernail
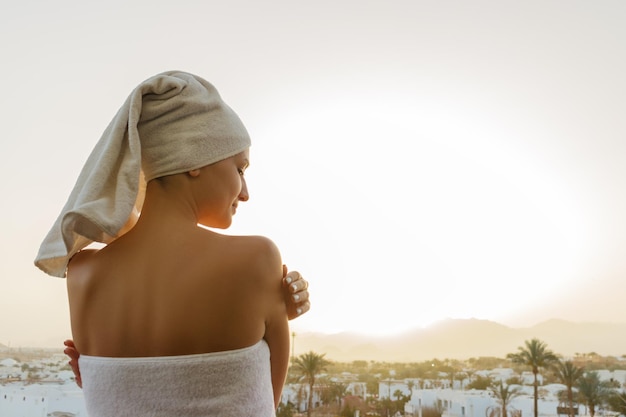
[296, 297]
[288, 279]
[299, 310]
[295, 287]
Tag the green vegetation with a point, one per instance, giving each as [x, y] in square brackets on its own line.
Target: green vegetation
[330, 380]
[568, 374]
[309, 365]
[504, 394]
[577, 374]
[592, 391]
[536, 355]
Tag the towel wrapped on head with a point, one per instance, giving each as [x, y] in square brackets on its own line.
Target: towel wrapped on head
[171, 123]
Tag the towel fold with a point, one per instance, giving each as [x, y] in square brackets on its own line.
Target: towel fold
[171, 123]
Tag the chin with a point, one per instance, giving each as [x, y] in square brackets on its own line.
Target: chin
[225, 224]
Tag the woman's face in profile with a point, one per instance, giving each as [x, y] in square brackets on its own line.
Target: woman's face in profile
[221, 187]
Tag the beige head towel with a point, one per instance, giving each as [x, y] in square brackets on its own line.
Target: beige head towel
[171, 123]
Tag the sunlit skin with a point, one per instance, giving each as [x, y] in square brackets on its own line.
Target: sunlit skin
[227, 292]
[218, 189]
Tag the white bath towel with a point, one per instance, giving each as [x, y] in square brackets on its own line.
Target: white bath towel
[171, 123]
[235, 383]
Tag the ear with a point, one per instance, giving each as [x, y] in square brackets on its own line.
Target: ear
[194, 173]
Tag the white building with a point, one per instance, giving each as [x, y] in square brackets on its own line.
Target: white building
[387, 388]
[481, 403]
[298, 395]
[38, 400]
[9, 368]
[616, 375]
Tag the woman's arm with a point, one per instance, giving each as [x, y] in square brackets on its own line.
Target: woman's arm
[268, 264]
[277, 338]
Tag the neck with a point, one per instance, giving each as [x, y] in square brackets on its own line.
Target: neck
[168, 200]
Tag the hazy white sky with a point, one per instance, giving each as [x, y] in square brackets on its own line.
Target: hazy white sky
[415, 160]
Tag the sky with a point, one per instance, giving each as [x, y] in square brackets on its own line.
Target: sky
[414, 160]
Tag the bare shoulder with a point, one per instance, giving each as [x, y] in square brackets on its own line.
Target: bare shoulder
[79, 273]
[258, 249]
[80, 260]
[257, 256]
[260, 244]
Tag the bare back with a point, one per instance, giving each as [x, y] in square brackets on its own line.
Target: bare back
[183, 292]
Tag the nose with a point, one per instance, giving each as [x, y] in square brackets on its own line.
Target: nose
[243, 194]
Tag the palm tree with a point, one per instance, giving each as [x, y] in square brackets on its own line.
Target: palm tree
[461, 377]
[504, 394]
[410, 385]
[398, 394]
[568, 374]
[453, 369]
[309, 365]
[536, 355]
[617, 402]
[469, 374]
[592, 391]
[334, 392]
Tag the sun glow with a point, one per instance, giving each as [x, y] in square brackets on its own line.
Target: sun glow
[432, 219]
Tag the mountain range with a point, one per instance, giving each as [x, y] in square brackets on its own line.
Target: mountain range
[467, 338]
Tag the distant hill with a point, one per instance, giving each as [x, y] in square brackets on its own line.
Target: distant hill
[467, 338]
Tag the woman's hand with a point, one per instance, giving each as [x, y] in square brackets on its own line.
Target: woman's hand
[70, 350]
[295, 291]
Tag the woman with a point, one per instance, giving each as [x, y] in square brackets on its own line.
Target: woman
[171, 318]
